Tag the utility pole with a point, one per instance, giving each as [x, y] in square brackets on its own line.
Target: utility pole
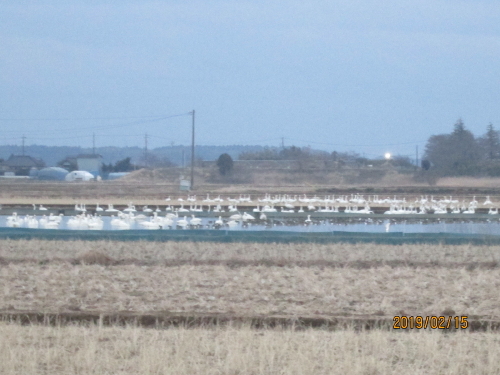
[283, 142]
[146, 149]
[417, 156]
[23, 143]
[93, 143]
[192, 154]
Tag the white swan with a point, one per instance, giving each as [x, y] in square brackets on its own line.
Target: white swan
[31, 222]
[171, 215]
[232, 223]
[183, 223]
[182, 209]
[168, 222]
[14, 221]
[488, 201]
[118, 223]
[111, 208]
[247, 217]
[130, 208]
[208, 200]
[195, 221]
[150, 225]
[235, 217]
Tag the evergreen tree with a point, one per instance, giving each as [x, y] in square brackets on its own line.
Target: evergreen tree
[225, 164]
[492, 143]
[455, 154]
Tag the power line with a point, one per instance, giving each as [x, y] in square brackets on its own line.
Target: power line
[79, 128]
[89, 118]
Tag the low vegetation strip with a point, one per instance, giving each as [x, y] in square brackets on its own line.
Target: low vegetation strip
[186, 320]
[98, 258]
[165, 320]
[228, 350]
[200, 253]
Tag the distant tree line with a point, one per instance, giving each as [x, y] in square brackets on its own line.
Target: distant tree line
[287, 153]
[341, 158]
[461, 154]
[123, 165]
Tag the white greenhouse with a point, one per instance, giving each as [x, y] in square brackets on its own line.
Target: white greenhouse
[79, 176]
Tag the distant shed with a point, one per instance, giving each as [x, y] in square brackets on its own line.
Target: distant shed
[90, 162]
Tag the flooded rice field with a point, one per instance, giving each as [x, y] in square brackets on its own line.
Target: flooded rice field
[486, 226]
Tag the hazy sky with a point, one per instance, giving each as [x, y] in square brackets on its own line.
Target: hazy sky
[368, 76]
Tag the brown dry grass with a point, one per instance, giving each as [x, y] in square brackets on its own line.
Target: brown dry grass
[469, 182]
[360, 255]
[95, 350]
[293, 279]
[251, 290]
[95, 257]
[247, 280]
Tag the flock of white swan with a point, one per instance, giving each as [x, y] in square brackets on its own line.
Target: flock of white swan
[185, 217]
[290, 204]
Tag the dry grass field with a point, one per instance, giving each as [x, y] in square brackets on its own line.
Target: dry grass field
[132, 350]
[250, 279]
[251, 290]
[292, 280]
[334, 281]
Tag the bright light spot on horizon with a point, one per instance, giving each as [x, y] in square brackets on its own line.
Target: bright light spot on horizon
[387, 156]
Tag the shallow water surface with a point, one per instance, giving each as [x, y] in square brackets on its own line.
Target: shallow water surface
[488, 226]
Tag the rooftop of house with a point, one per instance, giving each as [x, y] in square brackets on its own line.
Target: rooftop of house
[23, 161]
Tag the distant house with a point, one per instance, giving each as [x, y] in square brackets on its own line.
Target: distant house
[69, 163]
[21, 165]
[90, 162]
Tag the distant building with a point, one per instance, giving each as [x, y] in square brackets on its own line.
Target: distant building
[21, 165]
[79, 176]
[90, 162]
[51, 174]
[85, 162]
[69, 164]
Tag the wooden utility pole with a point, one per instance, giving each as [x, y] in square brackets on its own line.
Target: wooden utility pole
[192, 154]
[146, 149]
[23, 143]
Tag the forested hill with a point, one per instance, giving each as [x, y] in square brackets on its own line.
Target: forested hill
[53, 154]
